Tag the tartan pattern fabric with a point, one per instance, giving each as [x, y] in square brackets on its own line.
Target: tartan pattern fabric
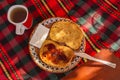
[100, 26]
[8, 69]
[110, 6]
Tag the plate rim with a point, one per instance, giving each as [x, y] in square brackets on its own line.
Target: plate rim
[29, 45]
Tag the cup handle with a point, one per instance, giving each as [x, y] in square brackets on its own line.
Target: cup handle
[20, 29]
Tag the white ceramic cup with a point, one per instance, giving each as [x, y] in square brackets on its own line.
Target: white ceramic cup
[15, 13]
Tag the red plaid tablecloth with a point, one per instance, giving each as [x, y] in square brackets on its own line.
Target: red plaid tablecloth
[100, 19]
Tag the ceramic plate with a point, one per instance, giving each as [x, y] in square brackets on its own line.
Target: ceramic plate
[34, 51]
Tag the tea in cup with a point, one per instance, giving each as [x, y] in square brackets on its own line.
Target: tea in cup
[20, 17]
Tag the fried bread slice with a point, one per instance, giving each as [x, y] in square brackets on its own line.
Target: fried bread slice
[56, 55]
[66, 32]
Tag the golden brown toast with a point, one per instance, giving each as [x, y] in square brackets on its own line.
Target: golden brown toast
[66, 32]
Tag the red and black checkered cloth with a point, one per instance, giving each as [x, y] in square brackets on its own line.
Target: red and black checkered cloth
[100, 19]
